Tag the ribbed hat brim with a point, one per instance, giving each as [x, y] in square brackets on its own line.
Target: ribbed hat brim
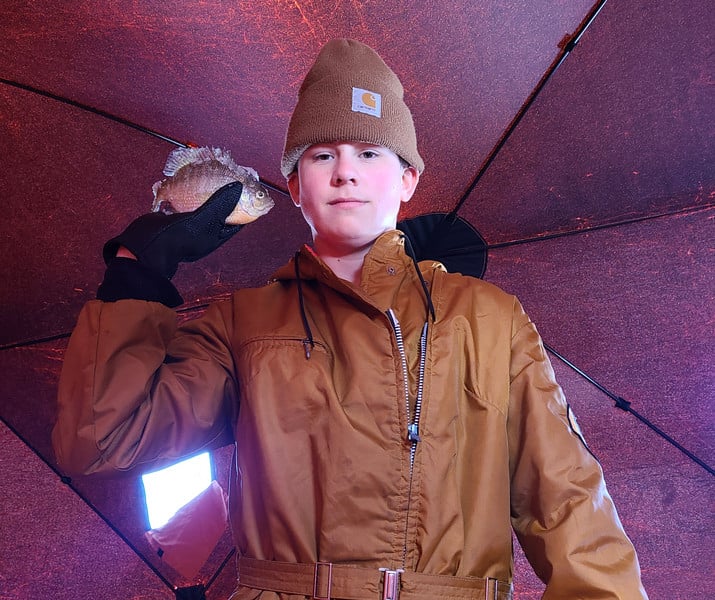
[325, 113]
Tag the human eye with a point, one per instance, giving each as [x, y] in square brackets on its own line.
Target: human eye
[369, 153]
[321, 156]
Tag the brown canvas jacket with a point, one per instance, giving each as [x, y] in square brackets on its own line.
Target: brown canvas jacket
[324, 470]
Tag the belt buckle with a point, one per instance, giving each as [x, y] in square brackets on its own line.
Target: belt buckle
[391, 583]
[316, 574]
[491, 588]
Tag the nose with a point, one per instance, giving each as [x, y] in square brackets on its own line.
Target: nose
[344, 170]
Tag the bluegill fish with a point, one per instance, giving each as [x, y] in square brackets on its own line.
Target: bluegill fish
[193, 174]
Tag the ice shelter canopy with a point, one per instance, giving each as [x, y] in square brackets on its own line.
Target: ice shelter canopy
[598, 209]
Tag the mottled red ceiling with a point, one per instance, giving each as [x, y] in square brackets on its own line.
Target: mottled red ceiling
[616, 155]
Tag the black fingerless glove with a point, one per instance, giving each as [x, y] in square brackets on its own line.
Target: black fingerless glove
[126, 278]
[160, 242]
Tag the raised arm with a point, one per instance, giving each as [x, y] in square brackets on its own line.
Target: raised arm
[134, 388]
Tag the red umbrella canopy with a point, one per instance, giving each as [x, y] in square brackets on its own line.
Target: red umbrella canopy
[592, 184]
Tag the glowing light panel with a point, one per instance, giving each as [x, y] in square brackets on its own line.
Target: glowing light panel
[168, 489]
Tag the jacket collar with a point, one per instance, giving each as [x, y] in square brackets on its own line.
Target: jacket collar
[386, 270]
[386, 255]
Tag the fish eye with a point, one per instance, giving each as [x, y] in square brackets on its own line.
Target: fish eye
[260, 194]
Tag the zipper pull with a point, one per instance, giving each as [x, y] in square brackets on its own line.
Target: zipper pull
[413, 434]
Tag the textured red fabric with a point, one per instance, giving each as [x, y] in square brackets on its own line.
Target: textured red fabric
[624, 129]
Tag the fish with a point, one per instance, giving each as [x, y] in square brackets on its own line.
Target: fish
[194, 173]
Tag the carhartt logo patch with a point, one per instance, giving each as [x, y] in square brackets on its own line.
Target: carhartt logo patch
[367, 102]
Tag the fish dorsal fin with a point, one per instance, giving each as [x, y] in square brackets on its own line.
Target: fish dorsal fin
[182, 157]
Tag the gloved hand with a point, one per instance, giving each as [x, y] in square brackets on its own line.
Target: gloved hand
[161, 241]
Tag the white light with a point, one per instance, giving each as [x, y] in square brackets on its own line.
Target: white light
[167, 490]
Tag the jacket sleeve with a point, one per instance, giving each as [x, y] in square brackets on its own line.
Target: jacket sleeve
[562, 513]
[136, 390]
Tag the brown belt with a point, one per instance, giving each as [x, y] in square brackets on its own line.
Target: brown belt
[327, 580]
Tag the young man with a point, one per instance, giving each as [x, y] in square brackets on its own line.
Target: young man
[350, 194]
[392, 421]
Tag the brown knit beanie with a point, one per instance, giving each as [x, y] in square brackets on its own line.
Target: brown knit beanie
[350, 94]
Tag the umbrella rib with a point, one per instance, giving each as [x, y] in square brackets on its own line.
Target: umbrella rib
[66, 334]
[210, 582]
[116, 119]
[625, 405]
[68, 482]
[565, 49]
[96, 111]
[688, 210]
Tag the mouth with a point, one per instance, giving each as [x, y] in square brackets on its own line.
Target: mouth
[346, 202]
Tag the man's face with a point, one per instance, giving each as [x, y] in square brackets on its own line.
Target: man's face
[350, 193]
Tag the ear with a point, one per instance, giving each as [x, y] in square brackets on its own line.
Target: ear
[410, 179]
[294, 188]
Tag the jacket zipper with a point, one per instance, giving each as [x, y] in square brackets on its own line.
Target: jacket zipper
[413, 425]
